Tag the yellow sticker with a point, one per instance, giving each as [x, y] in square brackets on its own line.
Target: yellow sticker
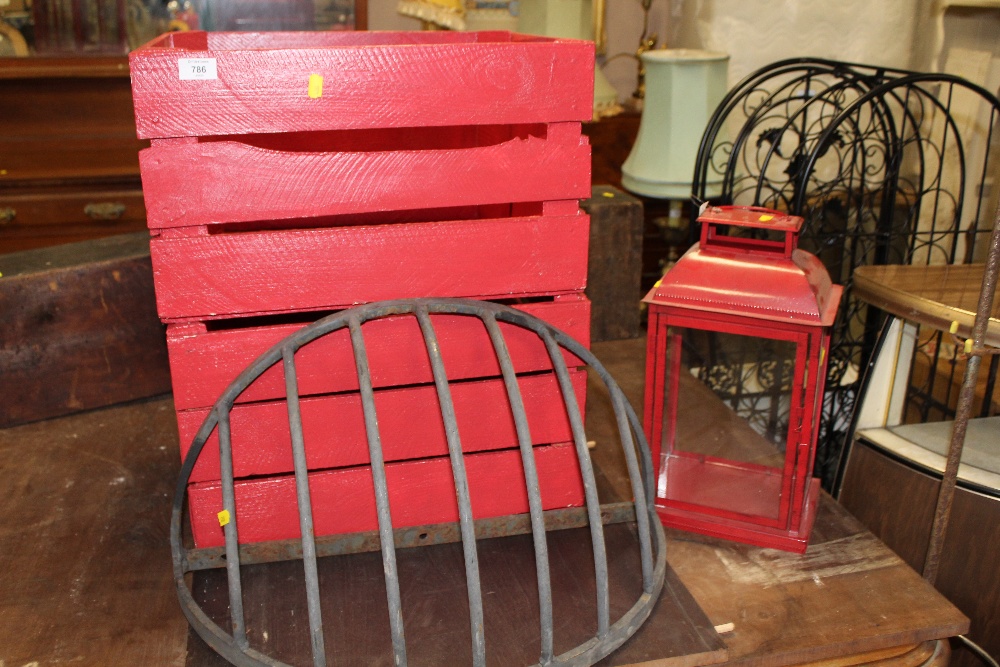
[609, 195]
[968, 345]
[954, 327]
[223, 517]
[315, 86]
[766, 218]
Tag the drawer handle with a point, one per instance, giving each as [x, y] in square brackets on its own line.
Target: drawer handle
[7, 214]
[104, 211]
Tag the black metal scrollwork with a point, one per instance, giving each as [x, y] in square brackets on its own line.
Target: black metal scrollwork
[886, 166]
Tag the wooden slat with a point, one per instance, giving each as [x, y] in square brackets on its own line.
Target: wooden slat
[264, 272]
[409, 421]
[420, 492]
[413, 80]
[191, 184]
[203, 364]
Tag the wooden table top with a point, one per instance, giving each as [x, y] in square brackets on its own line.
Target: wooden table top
[87, 577]
[934, 296]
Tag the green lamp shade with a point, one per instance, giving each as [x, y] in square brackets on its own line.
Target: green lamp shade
[683, 87]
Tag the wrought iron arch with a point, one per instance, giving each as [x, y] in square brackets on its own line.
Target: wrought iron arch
[878, 166]
[922, 219]
[760, 112]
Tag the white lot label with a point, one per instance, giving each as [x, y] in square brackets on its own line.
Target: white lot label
[193, 69]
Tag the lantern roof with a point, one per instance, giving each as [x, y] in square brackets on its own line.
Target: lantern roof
[756, 278]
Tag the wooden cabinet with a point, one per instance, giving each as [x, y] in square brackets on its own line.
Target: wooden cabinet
[69, 167]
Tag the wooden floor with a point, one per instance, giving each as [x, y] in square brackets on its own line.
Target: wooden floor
[86, 576]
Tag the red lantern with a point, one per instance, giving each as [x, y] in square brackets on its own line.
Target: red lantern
[735, 366]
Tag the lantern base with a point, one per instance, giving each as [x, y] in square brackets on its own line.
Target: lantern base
[795, 540]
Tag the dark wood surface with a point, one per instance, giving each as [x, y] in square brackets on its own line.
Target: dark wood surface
[896, 501]
[87, 577]
[80, 329]
[71, 146]
[435, 607]
[614, 265]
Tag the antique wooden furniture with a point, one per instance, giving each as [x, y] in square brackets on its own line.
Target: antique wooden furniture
[69, 165]
[614, 263]
[894, 468]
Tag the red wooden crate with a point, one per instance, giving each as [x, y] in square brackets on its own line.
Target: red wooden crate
[300, 172]
[308, 175]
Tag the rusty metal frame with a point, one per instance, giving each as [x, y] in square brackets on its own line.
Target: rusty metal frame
[610, 635]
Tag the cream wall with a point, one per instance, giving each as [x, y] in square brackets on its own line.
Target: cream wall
[924, 35]
[879, 32]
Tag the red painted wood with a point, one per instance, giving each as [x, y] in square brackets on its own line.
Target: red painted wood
[229, 181]
[410, 426]
[203, 363]
[369, 80]
[265, 272]
[420, 492]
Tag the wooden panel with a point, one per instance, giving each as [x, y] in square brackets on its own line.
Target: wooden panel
[409, 420]
[227, 181]
[68, 141]
[896, 502]
[614, 267]
[71, 128]
[80, 329]
[204, 363]
[385, 80]
[263, 272]
[420, 492]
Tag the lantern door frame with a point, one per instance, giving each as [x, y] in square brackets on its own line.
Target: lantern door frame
[798, 490]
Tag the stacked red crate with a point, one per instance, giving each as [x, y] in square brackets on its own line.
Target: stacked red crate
[292, 174]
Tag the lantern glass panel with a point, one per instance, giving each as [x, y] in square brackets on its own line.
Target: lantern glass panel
[725, 448]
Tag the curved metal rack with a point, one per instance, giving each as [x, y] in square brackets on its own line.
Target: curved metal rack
[235, 646]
